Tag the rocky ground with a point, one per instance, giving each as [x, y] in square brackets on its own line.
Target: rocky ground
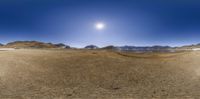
[61, 74]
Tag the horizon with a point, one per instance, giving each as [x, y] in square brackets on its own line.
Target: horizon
[97, 45]
[80, 23]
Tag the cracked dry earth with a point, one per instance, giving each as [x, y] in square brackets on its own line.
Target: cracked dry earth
[66, 74]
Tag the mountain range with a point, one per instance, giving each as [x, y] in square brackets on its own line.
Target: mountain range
[37, 44]
[33, 44]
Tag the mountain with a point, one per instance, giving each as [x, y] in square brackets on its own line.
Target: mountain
[67, 46]
[187, 47]
[132, 48]
[30, 44]
[1, 44]
[145, 48]
[91, 47]
[61, 45]
[110, 47]
[37, 44]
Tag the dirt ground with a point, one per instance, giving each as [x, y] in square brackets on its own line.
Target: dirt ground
[89, 74]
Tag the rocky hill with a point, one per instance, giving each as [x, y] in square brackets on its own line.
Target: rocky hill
[188, 47]
[30, 44]
[110, 47]
[1, 45]
[145, 48]
[91, 47]
[61, 45]
[138, 48]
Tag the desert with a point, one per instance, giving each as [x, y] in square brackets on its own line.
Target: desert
[82, 73]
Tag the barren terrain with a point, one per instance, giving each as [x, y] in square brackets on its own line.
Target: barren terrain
[61, 74]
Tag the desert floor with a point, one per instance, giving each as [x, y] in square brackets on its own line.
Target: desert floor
[61, 74]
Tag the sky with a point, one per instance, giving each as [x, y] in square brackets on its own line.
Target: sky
[127, 22]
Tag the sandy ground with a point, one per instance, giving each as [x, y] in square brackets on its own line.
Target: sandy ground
[65, 74]
[7, 49]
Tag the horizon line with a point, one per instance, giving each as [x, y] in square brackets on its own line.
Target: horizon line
[82, 46]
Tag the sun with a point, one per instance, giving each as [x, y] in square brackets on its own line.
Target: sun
[99, 26]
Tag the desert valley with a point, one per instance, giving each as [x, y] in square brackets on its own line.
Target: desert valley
[49, 73]
[99, 49]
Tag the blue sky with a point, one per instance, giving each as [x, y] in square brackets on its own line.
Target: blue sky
[128, 22]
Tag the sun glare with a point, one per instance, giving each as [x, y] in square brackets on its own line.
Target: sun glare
[99, 26]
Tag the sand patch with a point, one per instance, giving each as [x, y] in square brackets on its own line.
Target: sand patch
[7, 49]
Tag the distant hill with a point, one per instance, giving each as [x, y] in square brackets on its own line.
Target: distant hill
[138, 48]
[37, 44]
[1, 45]
[145, 48]
[133, 48]
[110, 47]
[189, 46]
[30, 44]
[91, 47]
[61, 45]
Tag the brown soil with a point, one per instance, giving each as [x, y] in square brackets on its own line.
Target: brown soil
[61, 74]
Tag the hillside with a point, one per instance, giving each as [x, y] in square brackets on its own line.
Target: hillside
[30, 44]
[190, 46]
